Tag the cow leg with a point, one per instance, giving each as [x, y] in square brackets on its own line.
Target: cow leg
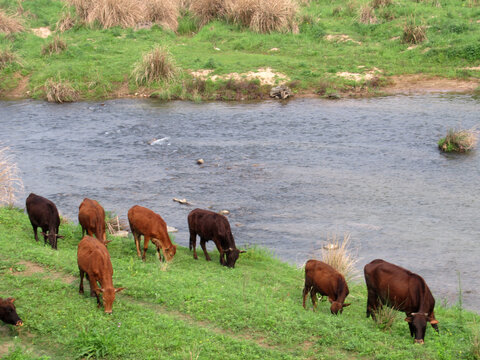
[94, 288]
[306, 289]
[204, 248]
[136, 236]
[80, 289]
[313, 295]
[220, 250]
[193, 244]
[412, 329]
[160, 254]
[45, 237]
[146, 239]
[35, 232]
[83, 231]
[372, 303]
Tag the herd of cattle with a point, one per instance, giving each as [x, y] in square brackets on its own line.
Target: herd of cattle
[387, 284]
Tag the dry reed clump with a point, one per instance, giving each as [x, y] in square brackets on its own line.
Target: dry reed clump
[56, 46]
[376, 4]
[207, 10]
[413, 33]
[9, 24]
[459, 140]
[60, 92]
[367, 15]
[336, 253]
[275, 15]
[385, 317]
[66, 22]
[10, 182]
[6, 57]
[163, 12]
[156, 65]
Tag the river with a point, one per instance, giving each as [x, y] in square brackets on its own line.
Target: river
[290, 174]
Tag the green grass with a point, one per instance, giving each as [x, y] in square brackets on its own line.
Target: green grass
[98, 62]
[194, 308]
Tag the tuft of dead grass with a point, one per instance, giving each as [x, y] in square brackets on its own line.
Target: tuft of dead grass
[337, 253]
[376, 4]
[207, 10]
[367, 15]
[156, 65]
[7, 57]
[163, 12]
[9, 24]
[56, 46]
[60, 92]
[66, 22]
[385, 317]
[109, 13]
[10, 182]
[275, 15]
[413, 33]
[459, 140]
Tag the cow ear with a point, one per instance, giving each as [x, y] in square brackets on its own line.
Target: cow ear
[331, 301]
[60, 236]
[119, 289]
[99, 290]
[243, 251]
[434, 321]
[42, 233]
[345, 305]
[11, 300]
[106, 242]
[408, 319]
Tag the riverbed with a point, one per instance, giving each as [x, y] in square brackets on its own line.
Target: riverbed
[291, 174]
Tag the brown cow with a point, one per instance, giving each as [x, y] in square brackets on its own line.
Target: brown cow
[8, 313]
[145, 222]
[44, 214]
[324, 279]
[91, 217]
[212, 226]
[94, 260]
[402, 290]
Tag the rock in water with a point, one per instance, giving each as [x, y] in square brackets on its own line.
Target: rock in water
[281, 92]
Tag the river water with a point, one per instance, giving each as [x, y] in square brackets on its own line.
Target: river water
[290, 174]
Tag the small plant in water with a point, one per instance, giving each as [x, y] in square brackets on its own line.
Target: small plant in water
[458, 140]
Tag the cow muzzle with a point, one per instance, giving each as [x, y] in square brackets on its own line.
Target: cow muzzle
[421, 342]
[19, 323]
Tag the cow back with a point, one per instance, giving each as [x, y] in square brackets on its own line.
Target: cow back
[94, 258]
[325, 279]
[42, 212]
[148, 223]
[209, 224]
[91, 216]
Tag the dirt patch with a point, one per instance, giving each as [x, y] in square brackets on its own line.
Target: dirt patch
[417, 84]
[369, 75]
[341, 38]
[32, 268]
[42, 32]
[266, 76]
[20, 91]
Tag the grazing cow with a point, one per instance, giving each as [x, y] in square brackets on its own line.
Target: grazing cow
[212, 226]
[398, 288]
[91, 217]
[8, 313]
[324, 279]
[94, 260]
[145, 222]
[44, 214]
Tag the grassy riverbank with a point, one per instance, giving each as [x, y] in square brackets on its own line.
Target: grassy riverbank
[194, 309]
[355, 47]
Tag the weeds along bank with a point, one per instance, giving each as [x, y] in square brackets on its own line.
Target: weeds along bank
[195, 309]
[221, 49]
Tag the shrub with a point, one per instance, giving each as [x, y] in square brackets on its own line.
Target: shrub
[385, 317]
[6, 57]
[163, 12]
[380, 3]
[207, 10]
[413, 33]
[60, 92]
[367, 15]
[337, 254]
[240, 11]
[9, 24]
[66, 22]
[109, 13]
[458, 140]
[10, 182]
[56, 46]
[156, 65]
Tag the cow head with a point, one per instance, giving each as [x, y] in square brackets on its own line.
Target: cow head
[337, 306]
[109, 297]
[52, 238]
[8, 313]
[232, 256]
[418, 325]
[170, 252]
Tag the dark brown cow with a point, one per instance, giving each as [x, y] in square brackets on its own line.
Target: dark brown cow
[145, 222]
[44, 214]
[212, 226]
[324, 279]
[91, 217]
[94, 260]
[8, 313]
[398, 288]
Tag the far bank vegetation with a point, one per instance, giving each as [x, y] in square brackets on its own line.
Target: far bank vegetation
[259, 15]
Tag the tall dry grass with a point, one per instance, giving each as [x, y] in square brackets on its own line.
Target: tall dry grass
[207, 10]
[337, 253]
[156, 65]
[60, 91]
[9, 24]
[413, 33]
[56, 46]
[367, 15]
[7, 57]
[163, 12]
[10, 182]
[65, 22]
